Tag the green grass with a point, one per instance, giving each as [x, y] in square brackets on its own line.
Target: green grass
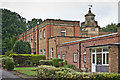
[27, 70]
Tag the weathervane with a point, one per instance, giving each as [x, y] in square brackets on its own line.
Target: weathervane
[90, 6]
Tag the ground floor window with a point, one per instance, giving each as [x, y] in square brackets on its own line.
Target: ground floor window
[44, 51]
[75, 57]
[84, 56]
[59, 56]
[51, 52]
[63, 57]
[41, 51]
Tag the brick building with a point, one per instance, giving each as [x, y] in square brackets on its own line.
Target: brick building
[44, 37]
[95, 54]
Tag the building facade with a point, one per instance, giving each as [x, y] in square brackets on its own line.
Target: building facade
[44, 37]
[95, 54]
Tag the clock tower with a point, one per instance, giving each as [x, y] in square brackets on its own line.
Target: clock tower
[90, 26]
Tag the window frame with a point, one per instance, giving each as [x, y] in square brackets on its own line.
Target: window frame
[63, 31]
[59, 57]
[44, 33]
[64, 57]
[44, 51]
[40, 34]
[51, 53]
[84, 54]
[75, 58]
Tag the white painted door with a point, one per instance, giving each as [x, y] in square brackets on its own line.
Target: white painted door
[93, 62]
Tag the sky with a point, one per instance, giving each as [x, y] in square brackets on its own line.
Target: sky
[106, 11]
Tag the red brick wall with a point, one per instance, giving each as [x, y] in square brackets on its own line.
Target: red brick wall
[98, 41]
[69, 56]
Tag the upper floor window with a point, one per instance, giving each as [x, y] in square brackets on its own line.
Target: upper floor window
[40, 35]
[44, 33]
[51, 52]
[44, 51]
[75, 57]
[63, 32]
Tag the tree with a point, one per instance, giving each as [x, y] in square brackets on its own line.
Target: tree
[22, 47]
[33, 23]
[12, 24]
[109, 28]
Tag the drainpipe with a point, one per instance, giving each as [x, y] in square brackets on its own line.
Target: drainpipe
[79, 55]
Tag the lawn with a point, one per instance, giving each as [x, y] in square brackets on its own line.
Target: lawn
[30, 71]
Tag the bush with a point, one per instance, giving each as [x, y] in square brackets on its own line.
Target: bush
[9, 64]
[60, 64]
[62, 73]
[4, 59]
[56, 62]
[22, 47]
[64, 63]
[45, 62]
[70, 66]
[27, 59]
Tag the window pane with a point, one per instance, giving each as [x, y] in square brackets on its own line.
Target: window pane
[62, 33]
[103, 58]
[84, 57]
[99, 50]
[93, 57]
[59, 56]
[93, 50]
[99, 58]
[63, 29]
[105, 50]
[63, 56]
[75, 57]
[107, 58]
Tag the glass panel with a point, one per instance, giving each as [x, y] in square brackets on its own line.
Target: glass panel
[62, 33]
[107, 58]
[84, 57]
[105, 50]
[103, 58]
[93, 50]
[93, 56]
[99, 50]
[58, 56]
[63, 56]
[99, 58]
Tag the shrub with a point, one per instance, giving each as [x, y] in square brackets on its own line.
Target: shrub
[56, 62]
[27, 59]
[45, 62]
[9, 64]
[4, 59]
[22, 47]
[70, 66]
[60, 64]
[36, 58]
[64, 63]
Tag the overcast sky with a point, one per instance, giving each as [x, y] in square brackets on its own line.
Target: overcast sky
[106, 11]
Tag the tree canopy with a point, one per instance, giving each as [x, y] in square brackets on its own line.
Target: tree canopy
[109, 28]
[12, 25]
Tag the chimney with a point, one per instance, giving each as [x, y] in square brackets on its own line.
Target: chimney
[118, 28]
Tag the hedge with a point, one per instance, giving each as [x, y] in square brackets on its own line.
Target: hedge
[45, 62]
[9, 64]
[61, 73]
[27, 59]
[56, 62]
